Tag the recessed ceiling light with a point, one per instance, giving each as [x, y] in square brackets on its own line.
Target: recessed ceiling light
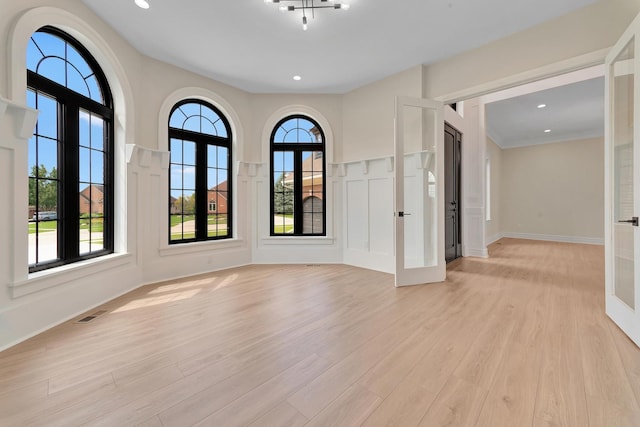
[547, 130]
[143, 4]
[542, 105]
[297, 78]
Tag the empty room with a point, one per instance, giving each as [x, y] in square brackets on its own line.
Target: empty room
[317, 212]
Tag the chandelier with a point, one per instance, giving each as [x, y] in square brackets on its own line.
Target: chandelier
[307, 7]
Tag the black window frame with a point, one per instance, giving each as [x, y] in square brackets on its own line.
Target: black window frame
[202, 142]
[70, 103]
[298, 148]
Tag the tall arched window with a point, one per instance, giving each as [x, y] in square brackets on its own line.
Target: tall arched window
[297, 183]
[200, 205]
[70, 162]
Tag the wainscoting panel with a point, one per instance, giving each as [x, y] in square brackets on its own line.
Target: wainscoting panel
[368, 215]
[381, 227]
[357, 218]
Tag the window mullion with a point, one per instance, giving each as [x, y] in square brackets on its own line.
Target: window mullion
[201, 191]
[109, 187]
[70, 186]
[297, 194]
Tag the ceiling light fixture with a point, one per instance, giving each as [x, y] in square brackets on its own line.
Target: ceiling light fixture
[306, 6]
[542, 105]
[547, 130]
[143, 4]
[297, 78]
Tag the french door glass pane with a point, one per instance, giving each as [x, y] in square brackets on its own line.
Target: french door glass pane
[420, 197]
[623, 135]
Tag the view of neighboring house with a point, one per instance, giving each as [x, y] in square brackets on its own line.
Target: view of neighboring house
[312, 173]
[92, 199]
[312, 191]
[218, 196]
[217, 202]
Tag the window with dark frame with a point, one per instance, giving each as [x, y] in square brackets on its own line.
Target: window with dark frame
[70, 154]
[298, 203]
[199, 173]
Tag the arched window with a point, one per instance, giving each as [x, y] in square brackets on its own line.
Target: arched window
[70, 156]
[199, 177]
[297, 183]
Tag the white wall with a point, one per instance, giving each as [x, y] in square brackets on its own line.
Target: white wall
[368, 114]
[586, 30]
[361, 128]
[554, 191]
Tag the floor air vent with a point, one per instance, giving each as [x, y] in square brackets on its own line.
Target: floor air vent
[90, 317]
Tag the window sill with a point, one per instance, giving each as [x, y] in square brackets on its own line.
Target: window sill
[298, 240]
[46, 279]
[189, 248]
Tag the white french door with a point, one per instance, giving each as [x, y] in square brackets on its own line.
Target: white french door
[419, 191]
[622, 186]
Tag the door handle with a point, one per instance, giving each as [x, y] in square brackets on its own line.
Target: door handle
[402, 214]
[633, 221]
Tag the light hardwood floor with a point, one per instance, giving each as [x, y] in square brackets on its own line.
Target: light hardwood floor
[519, 339]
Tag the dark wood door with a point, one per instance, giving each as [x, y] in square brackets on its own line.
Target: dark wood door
[452, 223]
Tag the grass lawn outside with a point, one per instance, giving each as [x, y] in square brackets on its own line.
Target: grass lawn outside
[283, 229]
[96, 224]
[43, 226]
[179, 219]
[217, 220]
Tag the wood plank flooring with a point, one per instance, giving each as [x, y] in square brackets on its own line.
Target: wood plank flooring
[519, 339]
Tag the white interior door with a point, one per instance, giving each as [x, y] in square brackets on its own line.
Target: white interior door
[622, 156]
[419, 191]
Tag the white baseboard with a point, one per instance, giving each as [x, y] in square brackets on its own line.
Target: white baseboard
[494, 238]
[555, 238]
[475, 252]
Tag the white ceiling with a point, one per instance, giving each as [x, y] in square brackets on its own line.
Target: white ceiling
[253, 46]
[574, 111]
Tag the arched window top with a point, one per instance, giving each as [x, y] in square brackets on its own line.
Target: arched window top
[197, 116]
[297, 130]
[59, 58]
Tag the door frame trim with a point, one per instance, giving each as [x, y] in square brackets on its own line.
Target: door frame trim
[530, 76]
